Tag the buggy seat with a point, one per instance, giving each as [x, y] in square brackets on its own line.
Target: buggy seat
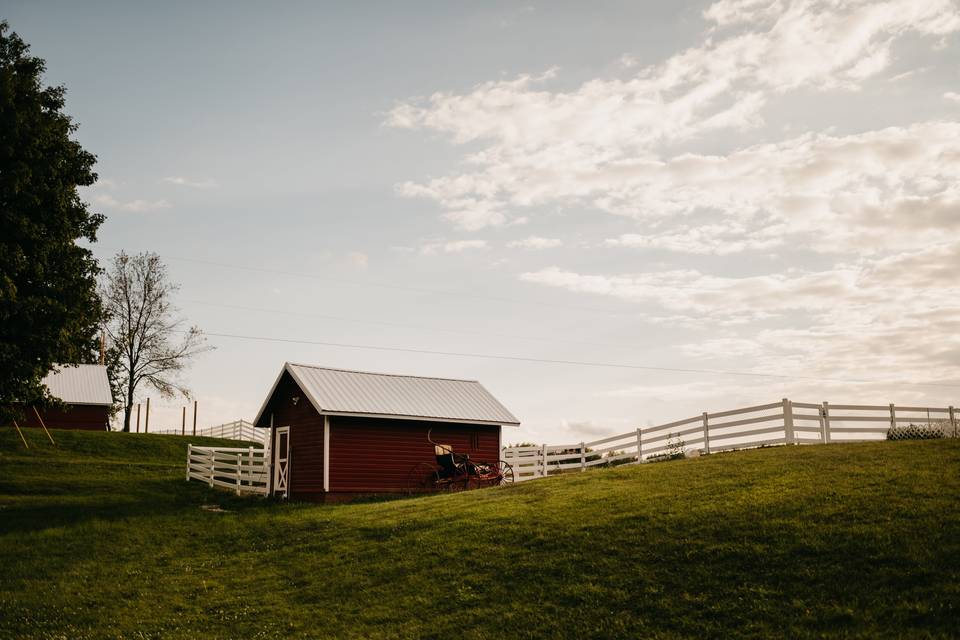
[446, 460]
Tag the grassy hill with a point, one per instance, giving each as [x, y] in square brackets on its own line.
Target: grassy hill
[102, 538]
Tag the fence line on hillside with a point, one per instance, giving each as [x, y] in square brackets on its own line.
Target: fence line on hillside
[778, 423]
[241, 469]
[236, 430]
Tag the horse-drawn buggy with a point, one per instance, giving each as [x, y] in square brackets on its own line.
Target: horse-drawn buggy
[454, 471]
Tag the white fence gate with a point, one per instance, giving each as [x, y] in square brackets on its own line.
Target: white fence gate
[244, 470]
[777, 423]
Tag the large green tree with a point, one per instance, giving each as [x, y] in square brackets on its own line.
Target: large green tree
[49, 308]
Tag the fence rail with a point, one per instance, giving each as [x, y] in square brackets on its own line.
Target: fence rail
[242, 469]
[778, 423]
[236, 430]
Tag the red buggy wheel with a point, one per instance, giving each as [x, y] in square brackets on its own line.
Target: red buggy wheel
[423, 478]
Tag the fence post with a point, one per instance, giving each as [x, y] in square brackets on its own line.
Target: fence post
[706, 433]
[239, 468]
[212, 465]
[583, 456]
[639, 446]
[189, 458]
[825, 421]
[543, 453]
[788, 421]
[953, 420]
[893, 416]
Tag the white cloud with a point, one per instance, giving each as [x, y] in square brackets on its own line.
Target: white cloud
[706, 239]
[599, 142]
[454, 246]
[691, 291]
[893, 318]
[187, 182]
[535, 242]
[952, 96]
[874, 212]
[132, 206]
[589, 428]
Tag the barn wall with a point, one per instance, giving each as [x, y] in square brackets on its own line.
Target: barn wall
[306, 435]
[84, 417]
[371, 455]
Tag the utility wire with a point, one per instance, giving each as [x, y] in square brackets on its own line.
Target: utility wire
[503, 357]
[383, 323]
[582, 363]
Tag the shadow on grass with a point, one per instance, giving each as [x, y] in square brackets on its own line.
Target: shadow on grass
[148, 498]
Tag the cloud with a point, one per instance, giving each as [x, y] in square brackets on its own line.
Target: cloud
[952, 96]
[706, 239]
[691, 291]
[872, 213]
[600, 142]
[588, 428]
[535, 242]
[132, 206]
[187, 182]
[894, 318]
[455, 246]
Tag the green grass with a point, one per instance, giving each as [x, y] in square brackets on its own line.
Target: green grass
[102, 538]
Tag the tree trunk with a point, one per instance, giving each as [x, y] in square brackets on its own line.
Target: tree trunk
[128, 409]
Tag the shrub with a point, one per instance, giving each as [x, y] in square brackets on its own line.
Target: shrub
[675, 450]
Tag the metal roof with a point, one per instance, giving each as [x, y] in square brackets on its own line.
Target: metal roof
[80, 384]
[385, 395]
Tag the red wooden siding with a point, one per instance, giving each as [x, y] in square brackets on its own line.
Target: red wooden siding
[377, 454]
[85, 417]
[306, 435]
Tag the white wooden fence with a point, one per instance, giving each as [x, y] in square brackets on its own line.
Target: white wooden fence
[242, 469]
[236, 430]
[777, 423]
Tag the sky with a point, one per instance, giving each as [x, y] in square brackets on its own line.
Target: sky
[622, 211]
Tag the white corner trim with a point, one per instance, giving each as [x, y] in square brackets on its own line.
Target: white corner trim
[326, 453]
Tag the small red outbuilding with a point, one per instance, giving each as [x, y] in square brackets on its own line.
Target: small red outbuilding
[85, 390]
[341, 433]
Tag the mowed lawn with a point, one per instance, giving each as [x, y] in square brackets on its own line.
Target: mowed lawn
[101, 537]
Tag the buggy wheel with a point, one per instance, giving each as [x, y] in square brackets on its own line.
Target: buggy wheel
[494, 474]
[506, 472]
[422, 478]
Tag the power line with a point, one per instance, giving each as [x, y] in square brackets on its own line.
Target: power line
[384, 323]
[582, 363]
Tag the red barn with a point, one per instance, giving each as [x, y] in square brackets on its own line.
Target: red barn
[338, 434]
[85, 389]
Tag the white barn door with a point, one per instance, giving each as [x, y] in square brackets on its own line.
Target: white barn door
[281, 462]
